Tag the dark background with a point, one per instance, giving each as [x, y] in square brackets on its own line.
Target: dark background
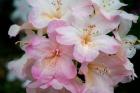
[9, 51]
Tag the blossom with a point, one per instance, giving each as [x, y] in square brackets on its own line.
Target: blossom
[66, 38]
[21, 12]
[54, 66]
[127, 41]
[106, 72]
[91, 12]
[110, 9]
[87, 41]
[45, 11]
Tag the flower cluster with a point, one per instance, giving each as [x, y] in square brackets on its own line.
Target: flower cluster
[75, 46]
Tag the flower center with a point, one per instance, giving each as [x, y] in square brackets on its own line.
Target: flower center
[87, 35]
[52, 59]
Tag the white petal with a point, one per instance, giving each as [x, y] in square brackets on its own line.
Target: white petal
[128, 16]
[14, 30]
[124, 27]
[130, 51]
[17, 66]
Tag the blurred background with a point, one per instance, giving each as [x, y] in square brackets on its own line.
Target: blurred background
[10, 51]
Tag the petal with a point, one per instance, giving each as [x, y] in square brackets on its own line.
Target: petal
[14, 30]
[107, 44]
[52, 26]
[67, 35]
[101, 85]
[65, 68]
[37, 18]
[104, 25]
[124, 27]
[74, 86]
[128, 16]
[85, 53]
[56, 84]
[16, 67]
[130, 51]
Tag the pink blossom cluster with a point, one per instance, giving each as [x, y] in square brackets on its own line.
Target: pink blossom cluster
[75, 46]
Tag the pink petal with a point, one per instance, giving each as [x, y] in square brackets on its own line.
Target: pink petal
[65, 68]
[36, 19]
[107, 44]
[85, 53]
[67, 35]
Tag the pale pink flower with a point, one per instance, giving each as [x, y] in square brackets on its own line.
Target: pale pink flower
[110, 9]
[127, 41]
[104, 73]
[44, 11]
[88, 41]
[53, 64]
[91, 12]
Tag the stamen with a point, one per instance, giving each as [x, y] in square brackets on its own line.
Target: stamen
[21, 42]
[99, 68]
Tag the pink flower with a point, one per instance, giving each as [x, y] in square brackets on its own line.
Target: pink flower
[88, 41]
[44, 11]
[104, 73]
[54, 66]
[110, 9]
[91, 12]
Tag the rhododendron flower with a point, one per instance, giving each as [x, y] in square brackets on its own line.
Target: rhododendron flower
[44, 11]
[127, 41]
[91, 12]
[106, 72]
[87, 41]
[63, 37]
[55, 67]
[110, 9]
